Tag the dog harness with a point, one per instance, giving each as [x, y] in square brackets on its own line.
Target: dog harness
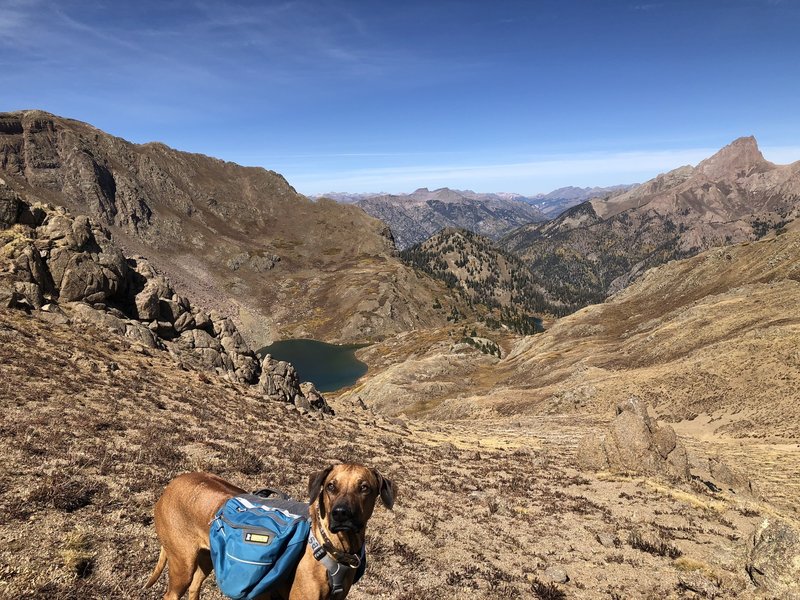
[338, 566]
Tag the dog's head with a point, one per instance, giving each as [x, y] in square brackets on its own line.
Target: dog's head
[346, 495]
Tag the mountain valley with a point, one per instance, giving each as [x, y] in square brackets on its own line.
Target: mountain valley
[603, 405]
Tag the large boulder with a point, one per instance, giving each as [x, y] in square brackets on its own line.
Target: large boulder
[83, 313]
[185, 322]
[314, 398]
[85, 279]
[29, 294]
[245, 367]
[774, 559]
[279, 379]
[84, 263]
[146, 302]
[141, 334]
[635, 443]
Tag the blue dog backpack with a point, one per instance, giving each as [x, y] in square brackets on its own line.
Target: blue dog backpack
[256, 543]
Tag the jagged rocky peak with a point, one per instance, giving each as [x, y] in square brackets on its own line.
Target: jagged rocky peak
[740, 157]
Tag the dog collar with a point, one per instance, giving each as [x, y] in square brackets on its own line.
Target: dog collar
[337, 570]
[346, 558]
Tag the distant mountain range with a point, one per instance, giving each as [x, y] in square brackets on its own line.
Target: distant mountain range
[599, 246]
[415, 217]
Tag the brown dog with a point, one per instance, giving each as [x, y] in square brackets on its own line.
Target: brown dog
[342, 500]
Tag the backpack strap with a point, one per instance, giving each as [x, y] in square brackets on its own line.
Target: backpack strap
[337, 571]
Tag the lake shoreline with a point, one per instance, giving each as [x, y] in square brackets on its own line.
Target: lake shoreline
[330, 367]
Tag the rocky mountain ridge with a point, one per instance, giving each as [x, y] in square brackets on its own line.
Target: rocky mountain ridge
[238, 238]
[414, 217]
[598, 247]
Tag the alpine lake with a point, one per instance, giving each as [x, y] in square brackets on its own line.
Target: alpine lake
[329, 367]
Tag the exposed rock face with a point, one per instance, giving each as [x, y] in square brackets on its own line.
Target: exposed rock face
[635, 443]
[279, 379]
[72, 261]
[774, 561]
[314, 398]
[234, 237]
[9, 205]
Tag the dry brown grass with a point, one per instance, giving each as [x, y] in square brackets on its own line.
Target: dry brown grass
[484, 509]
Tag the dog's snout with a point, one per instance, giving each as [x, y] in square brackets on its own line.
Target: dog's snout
[342, 512]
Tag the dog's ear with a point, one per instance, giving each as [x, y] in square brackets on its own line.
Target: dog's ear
[315, 482]
[386, 489]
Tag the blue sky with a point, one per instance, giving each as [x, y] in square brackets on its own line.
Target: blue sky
[391, 96]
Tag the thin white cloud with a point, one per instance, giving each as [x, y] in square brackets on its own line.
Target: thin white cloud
[531, 176]
[16, 19]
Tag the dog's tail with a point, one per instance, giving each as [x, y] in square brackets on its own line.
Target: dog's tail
[162, 561]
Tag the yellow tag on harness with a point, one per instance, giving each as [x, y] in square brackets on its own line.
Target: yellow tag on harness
[257, 538]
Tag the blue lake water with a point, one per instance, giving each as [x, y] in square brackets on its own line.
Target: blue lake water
[328, 366]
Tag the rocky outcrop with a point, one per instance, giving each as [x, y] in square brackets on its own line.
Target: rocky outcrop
[774, 558]
[52, 259]
[9, 205]
[635, 443]
[279, 379]
[314, 398]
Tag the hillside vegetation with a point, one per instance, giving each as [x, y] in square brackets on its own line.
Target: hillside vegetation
[494, 280]
[86, 456]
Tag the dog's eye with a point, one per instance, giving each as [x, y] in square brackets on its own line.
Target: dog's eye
[364, 488]
[331, 487]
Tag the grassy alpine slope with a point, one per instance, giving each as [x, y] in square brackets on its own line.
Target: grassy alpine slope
[93, 429]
